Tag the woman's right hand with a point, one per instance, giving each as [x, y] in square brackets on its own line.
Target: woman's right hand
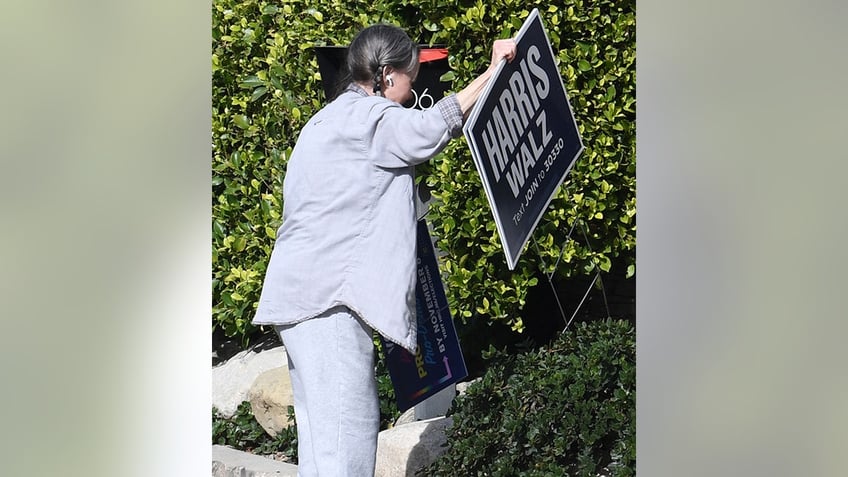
[502, 49]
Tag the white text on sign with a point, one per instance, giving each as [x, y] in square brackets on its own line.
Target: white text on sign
[510, 154]
[534, 186]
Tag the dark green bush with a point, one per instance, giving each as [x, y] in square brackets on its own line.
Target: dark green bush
[244, 433]
[567, 409]
[265, 85]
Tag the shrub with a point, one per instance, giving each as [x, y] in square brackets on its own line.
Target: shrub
[594, 40]
[244, 433]
[564, 409]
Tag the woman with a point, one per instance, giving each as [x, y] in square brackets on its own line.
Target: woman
[344, 260]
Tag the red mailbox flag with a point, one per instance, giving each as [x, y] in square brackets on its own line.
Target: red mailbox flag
[432, 54]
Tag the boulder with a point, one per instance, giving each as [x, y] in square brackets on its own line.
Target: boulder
[232, 380]
[228, 462]
[404, 449]
[270, 396]
[405, 418]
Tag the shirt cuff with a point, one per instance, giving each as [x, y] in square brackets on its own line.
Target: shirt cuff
[449, 107]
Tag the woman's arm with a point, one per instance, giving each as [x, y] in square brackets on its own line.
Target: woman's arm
[403, 137]
[501, 49]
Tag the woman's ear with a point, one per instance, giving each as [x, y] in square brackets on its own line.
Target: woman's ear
[387, 75]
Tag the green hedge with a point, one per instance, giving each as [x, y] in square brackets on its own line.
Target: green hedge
[565, 409]
[266, 85]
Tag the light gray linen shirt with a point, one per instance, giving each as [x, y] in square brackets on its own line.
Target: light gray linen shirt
[348, 232]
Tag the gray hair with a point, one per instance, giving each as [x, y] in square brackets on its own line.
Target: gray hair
[375, 47]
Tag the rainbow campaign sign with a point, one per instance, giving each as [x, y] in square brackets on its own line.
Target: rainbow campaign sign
[523, 137]
[438, 363]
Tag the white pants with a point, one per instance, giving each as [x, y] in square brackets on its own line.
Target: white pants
[331, 364]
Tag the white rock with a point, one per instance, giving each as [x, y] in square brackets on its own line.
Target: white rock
[232, 380]
[461, 388]
[228, 462]
[403, 450]
[405, 418]
[270, 396]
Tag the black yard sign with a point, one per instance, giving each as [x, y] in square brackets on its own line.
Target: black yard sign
[523, 137]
